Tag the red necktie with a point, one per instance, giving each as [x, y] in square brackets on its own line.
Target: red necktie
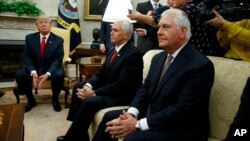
[113, 57]
[42, 46]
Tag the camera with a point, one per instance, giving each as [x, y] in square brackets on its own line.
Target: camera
[231, 10]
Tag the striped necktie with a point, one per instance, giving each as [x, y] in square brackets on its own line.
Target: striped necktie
[113, 57]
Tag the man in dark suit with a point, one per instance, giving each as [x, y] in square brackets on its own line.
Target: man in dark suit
[146, 43]
[241, 120]
[172, 104]
[42, 60]
[115, 84]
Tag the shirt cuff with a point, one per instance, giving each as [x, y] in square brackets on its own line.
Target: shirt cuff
[33, 72]
[48, 73]
[145, 32]
[89, 85]
[133, 110]
[144, 124]
[94, 94]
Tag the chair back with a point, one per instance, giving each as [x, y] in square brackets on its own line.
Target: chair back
[65, 34]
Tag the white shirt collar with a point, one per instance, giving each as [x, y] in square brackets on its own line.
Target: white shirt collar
[47, 36]
[177, 51]
[118, 48]
[152, 2]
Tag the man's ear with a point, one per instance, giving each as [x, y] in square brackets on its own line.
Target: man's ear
[126, 35]
[183, 31]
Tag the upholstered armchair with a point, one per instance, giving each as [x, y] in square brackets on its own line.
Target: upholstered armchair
[65, 34]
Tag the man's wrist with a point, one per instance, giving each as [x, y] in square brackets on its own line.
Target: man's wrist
[134, 116]
[88, 85]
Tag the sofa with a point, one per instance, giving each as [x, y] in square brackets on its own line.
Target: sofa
[230, 78]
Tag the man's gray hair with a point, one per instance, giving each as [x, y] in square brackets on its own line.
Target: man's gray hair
[127, 27]
[44, 17]
[180, 20]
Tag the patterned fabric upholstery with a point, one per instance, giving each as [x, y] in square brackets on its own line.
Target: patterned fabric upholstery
[230, 79]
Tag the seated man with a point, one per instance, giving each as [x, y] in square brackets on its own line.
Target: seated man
[115, 84]
[172, 104]
[241, 120]
[42, 60]
[233, 36]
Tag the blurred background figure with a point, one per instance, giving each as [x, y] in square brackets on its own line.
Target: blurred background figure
[233, 36]
[144, 42]
[105, 42]
[203, 36]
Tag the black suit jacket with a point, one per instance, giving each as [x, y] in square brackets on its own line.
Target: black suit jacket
[120, 80]
[53, 53]
[181, 102]
[241, 120]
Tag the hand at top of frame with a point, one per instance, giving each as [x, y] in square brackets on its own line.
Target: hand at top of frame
[135, 15]
[217, 21]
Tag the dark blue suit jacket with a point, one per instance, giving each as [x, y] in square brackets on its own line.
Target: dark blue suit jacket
[180, 105]
[120, 80]
[53, 53]
[241, 120]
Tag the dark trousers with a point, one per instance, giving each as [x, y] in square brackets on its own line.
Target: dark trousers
[82, 112]
[24, 82]
[101, 135]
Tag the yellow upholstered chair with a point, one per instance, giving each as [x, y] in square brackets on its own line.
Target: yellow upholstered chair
[65, 34]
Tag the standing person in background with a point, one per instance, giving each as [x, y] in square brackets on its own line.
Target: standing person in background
[105, 41]
[146, 43]
[172, 104]
[233, 36]
[203, 36]
[115, 84]
[42, 60]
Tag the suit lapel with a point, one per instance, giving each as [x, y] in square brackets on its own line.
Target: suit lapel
[37, 45]
[48, 45]
[157, 72]
[120, 54]
[177, 63]
[150, 5]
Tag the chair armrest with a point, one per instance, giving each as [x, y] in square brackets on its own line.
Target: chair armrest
[66, 68]
[98, 118]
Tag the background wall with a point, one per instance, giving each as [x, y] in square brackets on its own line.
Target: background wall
[50, 8]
